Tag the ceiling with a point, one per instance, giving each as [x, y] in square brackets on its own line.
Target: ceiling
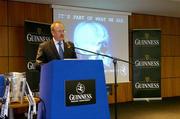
[154, 7]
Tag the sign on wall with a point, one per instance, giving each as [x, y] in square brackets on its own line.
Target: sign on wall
[35, 33]
[147, 65]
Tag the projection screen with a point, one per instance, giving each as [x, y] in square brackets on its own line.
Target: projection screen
[100, 31]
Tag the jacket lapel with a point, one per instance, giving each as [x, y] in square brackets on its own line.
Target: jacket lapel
[54, 50]
[66, 49]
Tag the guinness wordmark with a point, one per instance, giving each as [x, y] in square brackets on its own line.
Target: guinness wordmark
[80, 92]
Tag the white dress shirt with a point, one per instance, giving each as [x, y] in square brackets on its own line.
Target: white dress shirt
[57, 45]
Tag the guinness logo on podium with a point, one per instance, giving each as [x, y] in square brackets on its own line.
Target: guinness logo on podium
[80, 92]
[80, 88]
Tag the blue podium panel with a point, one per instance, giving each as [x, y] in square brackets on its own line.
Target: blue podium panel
[73, 89]
[2, 85]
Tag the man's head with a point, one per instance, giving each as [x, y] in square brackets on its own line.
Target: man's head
[57, 30]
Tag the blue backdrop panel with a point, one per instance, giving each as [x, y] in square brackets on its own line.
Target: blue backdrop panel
[2, 85]
[52, 89]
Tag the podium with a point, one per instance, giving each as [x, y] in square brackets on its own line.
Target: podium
[73, 89]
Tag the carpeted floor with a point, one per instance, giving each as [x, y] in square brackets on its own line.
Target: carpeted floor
[168, 108]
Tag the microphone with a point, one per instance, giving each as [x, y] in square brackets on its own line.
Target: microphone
[104, 55]
[96, 53]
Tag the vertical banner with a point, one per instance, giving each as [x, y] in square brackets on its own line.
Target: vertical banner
[35, 33]
[147, 66]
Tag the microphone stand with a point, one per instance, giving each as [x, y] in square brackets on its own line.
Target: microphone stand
[115, 59]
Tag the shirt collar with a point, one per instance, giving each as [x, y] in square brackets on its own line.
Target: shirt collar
[56, 42]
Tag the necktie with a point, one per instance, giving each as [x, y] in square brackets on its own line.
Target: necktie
[61, 51]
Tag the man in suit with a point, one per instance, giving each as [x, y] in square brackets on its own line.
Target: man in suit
[56, 48]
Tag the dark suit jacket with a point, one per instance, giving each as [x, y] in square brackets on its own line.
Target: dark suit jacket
[47, 51]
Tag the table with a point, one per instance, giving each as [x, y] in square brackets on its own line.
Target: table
[18, 108]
